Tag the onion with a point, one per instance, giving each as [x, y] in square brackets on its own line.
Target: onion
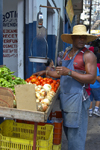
[44, 107]
[37, 101]
[47, 87]
[52, 92]
[39, 107]
[45, 101]
[43, 92]
[50, 95]
[37, 89]
[40, 86]
[40, 98]
[49, 98]
[37, 94]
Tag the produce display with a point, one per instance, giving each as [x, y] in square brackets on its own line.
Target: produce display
[45, 89]
[7, 79]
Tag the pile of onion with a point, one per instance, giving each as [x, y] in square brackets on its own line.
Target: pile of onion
[44, 96]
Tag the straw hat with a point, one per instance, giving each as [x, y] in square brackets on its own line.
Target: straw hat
[78, 30]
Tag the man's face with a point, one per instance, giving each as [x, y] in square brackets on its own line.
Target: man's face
[79, 41]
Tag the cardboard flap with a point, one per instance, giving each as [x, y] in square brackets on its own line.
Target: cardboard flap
[25, 97]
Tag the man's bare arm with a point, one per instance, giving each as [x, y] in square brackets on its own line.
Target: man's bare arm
[90, 67]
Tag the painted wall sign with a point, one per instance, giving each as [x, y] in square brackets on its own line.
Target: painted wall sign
[10, 54]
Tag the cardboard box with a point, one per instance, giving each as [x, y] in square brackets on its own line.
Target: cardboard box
[25, 97]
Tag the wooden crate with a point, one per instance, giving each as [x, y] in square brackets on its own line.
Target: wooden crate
[28, 115]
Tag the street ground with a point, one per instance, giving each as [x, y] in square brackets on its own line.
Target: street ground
[93, 132]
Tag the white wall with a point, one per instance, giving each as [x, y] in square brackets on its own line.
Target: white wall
[60, 4]
[32, 8]
[54, 19]
[31, 11]
[20, 38]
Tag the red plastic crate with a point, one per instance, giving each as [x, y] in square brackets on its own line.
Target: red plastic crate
[57, 126]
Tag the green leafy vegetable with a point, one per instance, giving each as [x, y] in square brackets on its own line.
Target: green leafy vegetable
[7, 79]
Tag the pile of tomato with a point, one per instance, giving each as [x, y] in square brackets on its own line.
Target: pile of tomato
[38, 80]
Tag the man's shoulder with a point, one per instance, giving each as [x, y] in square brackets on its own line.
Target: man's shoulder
[89, 55]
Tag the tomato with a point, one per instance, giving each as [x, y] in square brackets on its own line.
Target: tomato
[44, 82]
[48, 82]
[51, 80]
[45, 79]
[27, 80]
[39, 77]
[54, 81]
[52, 85]
[54, 89]
[57, 85]
[41, 80]
[58, 80]
[34, 80]
[31, 77]
[37, 82]
[34, 76]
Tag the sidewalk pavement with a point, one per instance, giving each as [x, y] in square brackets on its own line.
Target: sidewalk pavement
[93, 132]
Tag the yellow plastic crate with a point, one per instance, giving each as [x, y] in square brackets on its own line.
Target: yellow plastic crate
[57, 147]
[19, 136]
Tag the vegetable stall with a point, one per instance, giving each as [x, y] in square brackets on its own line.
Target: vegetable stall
[18, 95]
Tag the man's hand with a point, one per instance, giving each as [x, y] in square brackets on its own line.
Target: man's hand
[62, 70]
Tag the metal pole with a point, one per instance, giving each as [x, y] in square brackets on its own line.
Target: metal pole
[57, 40]
[49, 7]
[90, 16]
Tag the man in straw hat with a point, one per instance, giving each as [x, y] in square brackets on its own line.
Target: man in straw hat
[78, 69]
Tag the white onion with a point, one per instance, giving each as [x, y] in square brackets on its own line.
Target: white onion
[49, 98]
[37, 94]
[45, 101]
[44, 107]
[37, 101]
[47, 87]
[43, 92]
[39, 107]
[40, 86]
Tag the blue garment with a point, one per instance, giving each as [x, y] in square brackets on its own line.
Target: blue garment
[73, 109]
[77, 136]
[95, 94]
[52, 69]
[96, 84]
